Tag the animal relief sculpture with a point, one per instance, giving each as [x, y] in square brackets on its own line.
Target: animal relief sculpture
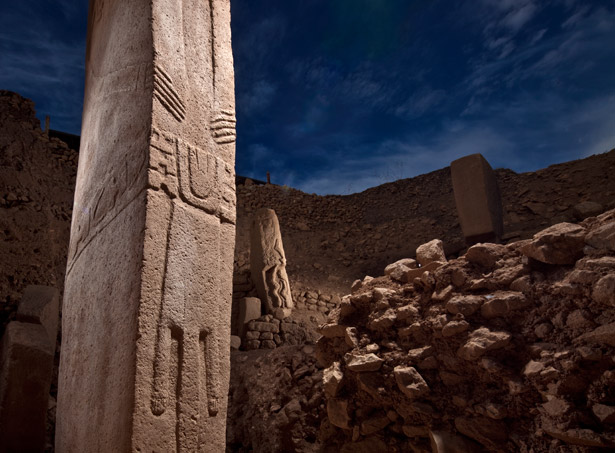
[268, 263]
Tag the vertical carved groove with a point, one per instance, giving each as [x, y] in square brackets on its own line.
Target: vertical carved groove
[161, 371]
[163, 340]
[213, 44]
[208, 370]
[178, 365]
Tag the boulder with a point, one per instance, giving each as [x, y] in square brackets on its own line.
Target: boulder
[602, 237]
[559, 244]
[410, 382]
[485, 255]
[481, 341]
[587, 209]
[430, 251]
[363, 362]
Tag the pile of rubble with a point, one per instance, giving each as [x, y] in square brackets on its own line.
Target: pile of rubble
[276, 401]
[507, 348]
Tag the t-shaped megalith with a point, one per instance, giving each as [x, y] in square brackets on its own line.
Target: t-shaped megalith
[146, 312]
[479, 206]
[268, 263]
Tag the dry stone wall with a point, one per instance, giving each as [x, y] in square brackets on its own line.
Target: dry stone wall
[507, 348]
[268, 332]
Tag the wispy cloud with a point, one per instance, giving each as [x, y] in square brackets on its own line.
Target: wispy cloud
[256, 97]
[41, 60]
[48, 70]
[422, 101]
[516, 19]
[513, 136]
[256, 87]
[391, 160]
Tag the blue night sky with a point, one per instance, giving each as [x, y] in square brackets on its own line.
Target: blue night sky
[335, 96]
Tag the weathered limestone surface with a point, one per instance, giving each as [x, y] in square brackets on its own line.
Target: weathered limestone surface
[268, 263]
[146, 316]
[479, 206]
[25, 378]
[41, 305]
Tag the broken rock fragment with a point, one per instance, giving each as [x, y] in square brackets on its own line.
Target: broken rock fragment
[604, 290]
[560, 244]
[398, 269]
[337, 411]
[502, 303]
[410, 382]
[602, 237]
[601, 335]
[332, 379]
[363, 362]
[491, 433]
[486, 254]
[430, 251]
[604, 413]
[481, 341]
[466, 305]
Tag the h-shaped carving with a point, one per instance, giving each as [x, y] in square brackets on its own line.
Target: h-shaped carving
[202, 179]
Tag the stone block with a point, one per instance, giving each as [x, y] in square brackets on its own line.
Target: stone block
[249, 309]
[235, 342]
[25, 378]
[41, 305]
[477, 196]
[268, 344]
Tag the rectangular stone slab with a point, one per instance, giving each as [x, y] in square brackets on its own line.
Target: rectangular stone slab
[479, 206]
[146, 314]
[249, 309]
[25, 379]
[41, 305]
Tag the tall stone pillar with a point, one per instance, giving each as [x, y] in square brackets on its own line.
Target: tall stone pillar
[146, 316]
[479, 205]
[268, 264]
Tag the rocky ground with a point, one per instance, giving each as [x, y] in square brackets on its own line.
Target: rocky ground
[509, 348]
[276, 401]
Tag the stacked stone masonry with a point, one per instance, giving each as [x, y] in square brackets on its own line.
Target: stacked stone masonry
[268, 332]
